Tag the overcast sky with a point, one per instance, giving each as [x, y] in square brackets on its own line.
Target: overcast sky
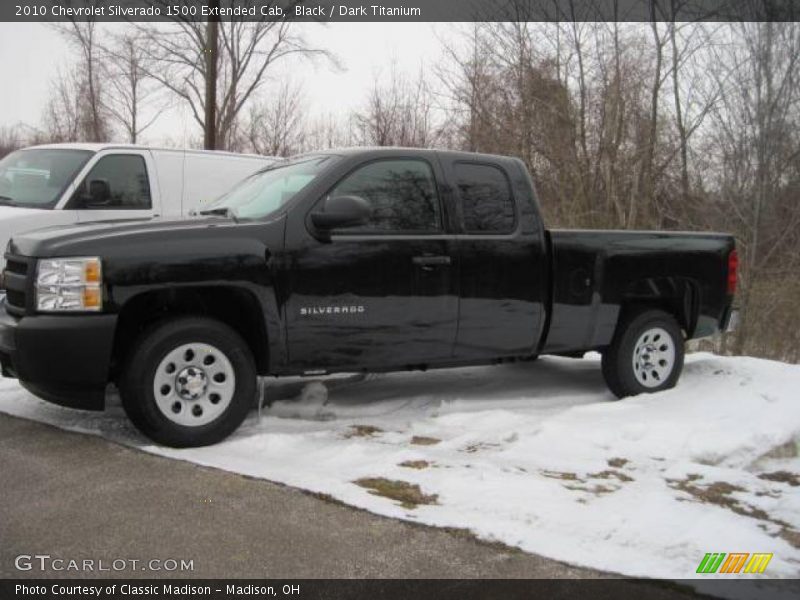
[32, 53]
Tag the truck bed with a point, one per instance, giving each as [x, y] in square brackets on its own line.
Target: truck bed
[594, 272]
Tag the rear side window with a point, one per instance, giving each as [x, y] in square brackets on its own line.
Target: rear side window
[117, 181]
[486, 201]
[402, 194]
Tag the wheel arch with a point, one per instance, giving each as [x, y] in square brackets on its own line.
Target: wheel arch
[677, 296]
[236, 306]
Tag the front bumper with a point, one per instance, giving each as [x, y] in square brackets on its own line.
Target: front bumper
[63, 359]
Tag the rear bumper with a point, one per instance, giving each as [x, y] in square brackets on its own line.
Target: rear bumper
[62, 359]
[730, 322]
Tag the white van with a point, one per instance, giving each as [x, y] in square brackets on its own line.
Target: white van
[60, 184]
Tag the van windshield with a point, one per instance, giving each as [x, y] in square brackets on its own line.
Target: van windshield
[266, 191]
[36, 178]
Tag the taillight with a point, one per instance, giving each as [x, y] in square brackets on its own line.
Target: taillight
[733, 264]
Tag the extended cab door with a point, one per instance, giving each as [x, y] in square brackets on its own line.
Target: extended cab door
[502, 255]
[378, 295]
[115, 185]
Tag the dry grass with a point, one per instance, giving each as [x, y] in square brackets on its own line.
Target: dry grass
[472, 448]
[415, 464]
[561, 475]
[609, 473]
[793, 479]
[617, 462]
[786, 450]
[774, 315]
[363, 431]
[580, 484]
[718, 493]
[594, 489]
[791, 536]
[409, 495]
[420, 440]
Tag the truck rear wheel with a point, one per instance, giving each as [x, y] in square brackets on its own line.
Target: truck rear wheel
[646, 354]
[189, 382]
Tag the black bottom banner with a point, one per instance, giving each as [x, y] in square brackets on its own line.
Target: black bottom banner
[397, 589]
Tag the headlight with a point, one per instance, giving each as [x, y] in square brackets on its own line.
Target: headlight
[69, 284]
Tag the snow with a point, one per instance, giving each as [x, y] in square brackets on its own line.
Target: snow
[533, 455]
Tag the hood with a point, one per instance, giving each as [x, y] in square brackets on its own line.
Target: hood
[16, 220]
[94, 237]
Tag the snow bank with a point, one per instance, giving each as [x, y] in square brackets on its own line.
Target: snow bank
[537, 456]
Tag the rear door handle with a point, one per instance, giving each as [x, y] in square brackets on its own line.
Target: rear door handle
[429, 262]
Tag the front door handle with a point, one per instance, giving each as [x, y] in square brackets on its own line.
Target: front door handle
[427, 263]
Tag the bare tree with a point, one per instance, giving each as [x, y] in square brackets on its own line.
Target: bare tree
[327, 131]
[217, 67]
[85, 80]
[10, 139]
[467, 81]
[644, 196]
[65, 114]
[401, 112]
[276, 125]
[756, 140]
[694, 94]
[130, 89]
[679, 111]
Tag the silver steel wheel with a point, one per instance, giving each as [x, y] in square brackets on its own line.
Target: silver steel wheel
[653, 357]
[194, 384]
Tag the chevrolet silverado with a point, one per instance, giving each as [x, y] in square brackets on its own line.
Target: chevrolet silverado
[344, 261]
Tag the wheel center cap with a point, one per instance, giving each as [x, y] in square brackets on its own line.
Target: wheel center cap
[191, 383]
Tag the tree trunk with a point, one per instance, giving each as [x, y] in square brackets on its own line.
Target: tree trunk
[133, 67]
[212, 57]
[682, 137]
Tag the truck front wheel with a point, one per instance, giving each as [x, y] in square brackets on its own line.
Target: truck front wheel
[188, 382]
[646, 354]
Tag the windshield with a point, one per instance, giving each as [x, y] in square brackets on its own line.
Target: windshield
[266, 191]
[37, 178]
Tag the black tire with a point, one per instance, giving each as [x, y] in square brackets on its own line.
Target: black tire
[136, 385]
[619, 370]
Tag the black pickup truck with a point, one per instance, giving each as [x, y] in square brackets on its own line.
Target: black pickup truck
[343, 261]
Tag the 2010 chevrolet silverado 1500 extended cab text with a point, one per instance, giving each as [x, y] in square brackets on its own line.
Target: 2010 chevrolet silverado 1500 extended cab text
[350, 260]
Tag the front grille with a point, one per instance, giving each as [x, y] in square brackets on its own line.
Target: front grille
[15, 281]
[17, 266]
[15, 298]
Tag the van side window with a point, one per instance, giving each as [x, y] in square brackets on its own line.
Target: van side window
[117, 181]
[486, 200]
[402, 194]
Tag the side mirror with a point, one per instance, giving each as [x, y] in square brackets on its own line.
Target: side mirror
[99, 193]
[342, 211]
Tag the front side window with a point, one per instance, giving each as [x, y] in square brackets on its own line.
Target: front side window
[486, 200]
[402, 194]
[37, 178]
[117, 181]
